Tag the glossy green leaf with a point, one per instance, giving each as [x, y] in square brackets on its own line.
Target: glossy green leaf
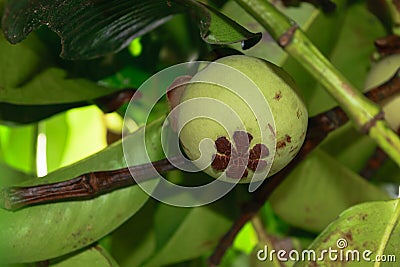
[318, 190]
[93, 256]
[69, 226]
[367, 230]
[94, 28]
[86, 135]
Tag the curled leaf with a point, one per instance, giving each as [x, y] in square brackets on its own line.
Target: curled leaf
[90, 29]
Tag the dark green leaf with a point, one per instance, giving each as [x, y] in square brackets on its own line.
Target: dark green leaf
[94, 28]
[10, 113]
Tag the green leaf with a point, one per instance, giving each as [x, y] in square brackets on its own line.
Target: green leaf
[187, 233]
[10, 175]
[134, 241]
[94, 28]
[352, 53]
[93, 256]
[350, 147]
[86, 136]
[221, 29]
[69, 226]
[370, 226]
[28, 77]
[318, 190]
[17, 147]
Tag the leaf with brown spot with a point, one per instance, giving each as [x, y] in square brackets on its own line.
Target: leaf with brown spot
[379, 233]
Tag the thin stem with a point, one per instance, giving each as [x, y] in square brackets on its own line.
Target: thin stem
[367, 116]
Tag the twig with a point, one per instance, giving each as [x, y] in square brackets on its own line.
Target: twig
[85, 186]
[378, 158]
[114, 101]
[318, 128]
[388, 45]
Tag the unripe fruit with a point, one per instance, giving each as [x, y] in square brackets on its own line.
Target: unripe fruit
[245, 148]
[380, 73]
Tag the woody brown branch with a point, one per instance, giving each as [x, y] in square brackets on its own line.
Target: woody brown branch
[82, 187]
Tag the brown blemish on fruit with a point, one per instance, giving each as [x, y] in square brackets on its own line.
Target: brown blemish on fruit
[278, 96]
[271, 129]
[299, 113]
[237, 158]
[283, 143]
[280, 144]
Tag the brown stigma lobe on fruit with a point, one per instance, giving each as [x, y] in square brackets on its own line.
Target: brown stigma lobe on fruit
[238, 158]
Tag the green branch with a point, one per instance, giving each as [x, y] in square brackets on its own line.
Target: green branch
[394, 15]
[366, 115]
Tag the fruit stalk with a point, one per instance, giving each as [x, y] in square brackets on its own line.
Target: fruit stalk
[365, 115]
